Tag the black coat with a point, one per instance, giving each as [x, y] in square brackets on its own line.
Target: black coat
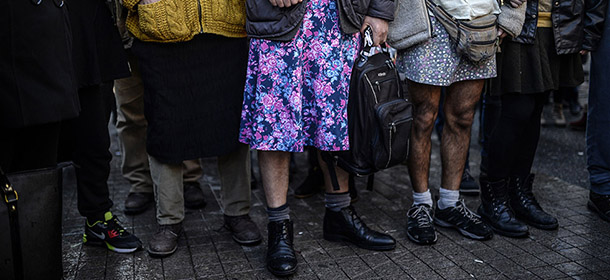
[576, 26]
[98, 49]
[266, 21]
[37, 84]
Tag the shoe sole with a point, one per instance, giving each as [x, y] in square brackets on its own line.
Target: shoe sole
[247, 242]
[283, 273]
[470, 192]
[596, 210]
[105, 244]
[538, 226]
[419, 242]
[444, 224]
[155, 254]
[505, 233]
[339, 238]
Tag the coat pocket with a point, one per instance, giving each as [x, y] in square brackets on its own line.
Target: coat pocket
[165, 20]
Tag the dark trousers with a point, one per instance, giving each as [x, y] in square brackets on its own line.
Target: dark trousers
[86, 142]
[29, 148]
[513, 142]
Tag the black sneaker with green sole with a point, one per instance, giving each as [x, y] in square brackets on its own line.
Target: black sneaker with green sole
[110, 234]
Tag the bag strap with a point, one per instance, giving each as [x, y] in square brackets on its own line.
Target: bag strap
[331, 163]
[11, 198]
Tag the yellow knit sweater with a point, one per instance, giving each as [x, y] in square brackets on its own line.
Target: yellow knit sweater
[180, 20]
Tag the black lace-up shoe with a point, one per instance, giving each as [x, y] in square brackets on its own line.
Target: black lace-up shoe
[193, 196]
[525, 206]
[165, 241]
[243, 230]
[600, 204]
[110, 234]
[137, 203]
[281, 258]
[463, 220]
[468, 185]
[345, 225]
[494, 210]
[420, 228]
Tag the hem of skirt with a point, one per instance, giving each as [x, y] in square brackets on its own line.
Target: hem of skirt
[255, 146]
[450, 83]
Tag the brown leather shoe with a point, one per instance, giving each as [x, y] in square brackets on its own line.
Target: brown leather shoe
[136, 203]
[243, 230]
[193, 196]
[165, 241]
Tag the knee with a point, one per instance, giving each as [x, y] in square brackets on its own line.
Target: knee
[459, 119]
[423, 121]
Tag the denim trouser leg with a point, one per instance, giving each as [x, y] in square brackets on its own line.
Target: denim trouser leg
[598, 122]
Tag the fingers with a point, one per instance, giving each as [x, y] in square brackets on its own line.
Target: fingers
[285, 3]
[273, 2]
[294, 2]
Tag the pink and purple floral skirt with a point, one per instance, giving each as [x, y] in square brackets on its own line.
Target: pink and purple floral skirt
[296, 92]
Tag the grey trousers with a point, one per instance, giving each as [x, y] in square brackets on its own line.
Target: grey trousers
[131, 126]
[234, 170]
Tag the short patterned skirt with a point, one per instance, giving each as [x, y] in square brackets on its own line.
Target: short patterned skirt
[296, 92]
[436, 62]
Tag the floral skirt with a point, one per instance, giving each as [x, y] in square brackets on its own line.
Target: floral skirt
[296, 92]
[436, 62]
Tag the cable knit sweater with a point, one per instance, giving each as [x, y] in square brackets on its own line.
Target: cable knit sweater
[180, 20]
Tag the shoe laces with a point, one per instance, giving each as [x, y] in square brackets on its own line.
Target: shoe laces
[422, 215]
[467, 213]
[114, 225]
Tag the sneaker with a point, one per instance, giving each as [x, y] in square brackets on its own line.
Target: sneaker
[469, 185]
[110, 234]
[420, 228]
[558, 118]
[193, 196]
[600, 204]
[463, 220]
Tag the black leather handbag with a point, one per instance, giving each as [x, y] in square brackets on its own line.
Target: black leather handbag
[30, 224]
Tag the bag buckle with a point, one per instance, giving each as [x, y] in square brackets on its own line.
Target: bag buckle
[10, 195]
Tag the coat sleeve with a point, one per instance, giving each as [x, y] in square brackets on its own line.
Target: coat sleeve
[511, 19]
[383, 9]
[595, 13]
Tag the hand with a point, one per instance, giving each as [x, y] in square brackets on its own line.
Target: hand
[501, 33]
[379, 27]
[516, 3]
[284, 3]
[144, 2]
[584, 52]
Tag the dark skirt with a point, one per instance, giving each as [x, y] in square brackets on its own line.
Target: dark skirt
[535, 68]
[193, 93]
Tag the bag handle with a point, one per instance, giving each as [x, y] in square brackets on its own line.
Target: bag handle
[10, 197]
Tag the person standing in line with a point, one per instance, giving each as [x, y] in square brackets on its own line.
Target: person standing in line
[85, 140]
[193, 56]
[598, 122]
[131, 125]
[296, 94]
[544, 57]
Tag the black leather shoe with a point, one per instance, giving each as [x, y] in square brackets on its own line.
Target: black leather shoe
[312, 184]
[281, 258]
[525, 206]
[345, 225]
[165, 241]
[243, 230]
[600, 204]
[193, 196]
[136, 203]
[494, 210]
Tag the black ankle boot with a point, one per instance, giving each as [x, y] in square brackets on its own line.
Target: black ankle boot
[281, 258]
[525, 206]
[345, 225]
[495, 212]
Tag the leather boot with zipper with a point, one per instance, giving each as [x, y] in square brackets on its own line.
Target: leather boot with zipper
[281, 258]
[525, 206]
[494, 209]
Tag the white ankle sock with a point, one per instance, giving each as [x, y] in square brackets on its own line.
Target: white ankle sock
[448, 198]
[422, 198]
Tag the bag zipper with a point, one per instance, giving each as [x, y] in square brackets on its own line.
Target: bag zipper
[372, 89]
[393, 131]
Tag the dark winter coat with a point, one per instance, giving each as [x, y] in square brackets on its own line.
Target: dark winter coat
[577, 24]
[37, 84]
[266, 21]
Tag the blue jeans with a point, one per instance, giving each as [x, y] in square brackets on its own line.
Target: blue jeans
[598, 122]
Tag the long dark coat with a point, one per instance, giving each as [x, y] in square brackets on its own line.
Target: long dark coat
[37, 84]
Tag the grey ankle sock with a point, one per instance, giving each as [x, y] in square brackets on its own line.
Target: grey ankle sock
[278, 214]
[337, 201]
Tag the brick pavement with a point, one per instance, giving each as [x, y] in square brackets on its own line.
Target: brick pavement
[578, 250]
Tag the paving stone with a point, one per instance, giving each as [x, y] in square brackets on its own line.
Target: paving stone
[571, 268]
[548, 272]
